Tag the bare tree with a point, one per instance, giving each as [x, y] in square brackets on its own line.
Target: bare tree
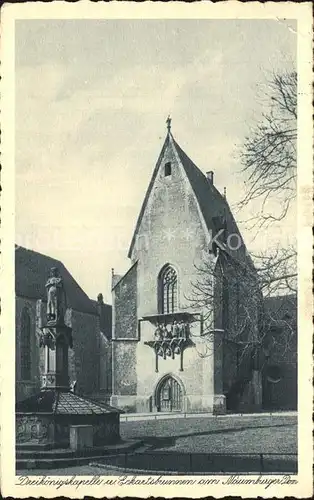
[228, 292]
[269, 158]
[277, 271]
[269, 153]
[231, 292]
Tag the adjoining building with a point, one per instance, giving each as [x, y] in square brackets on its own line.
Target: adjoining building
[280, 373]
[90, 357]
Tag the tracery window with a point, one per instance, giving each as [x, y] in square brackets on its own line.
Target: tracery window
[25, 345]
[168, 290]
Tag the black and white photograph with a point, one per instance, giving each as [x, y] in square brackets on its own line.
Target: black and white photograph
[160, 305]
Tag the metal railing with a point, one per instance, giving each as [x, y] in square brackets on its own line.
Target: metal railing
[184, 463]
[132, 417]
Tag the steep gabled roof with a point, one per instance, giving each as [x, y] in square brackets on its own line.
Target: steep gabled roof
[31, 273]
[212, 204]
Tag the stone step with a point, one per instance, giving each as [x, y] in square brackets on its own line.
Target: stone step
[55, 463]
[29, 446]
[66, 453]
[54, 458]
[55, 453]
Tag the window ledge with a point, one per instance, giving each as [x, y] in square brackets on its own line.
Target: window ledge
[177, 315]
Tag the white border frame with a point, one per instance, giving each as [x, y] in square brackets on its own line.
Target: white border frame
[129, 10]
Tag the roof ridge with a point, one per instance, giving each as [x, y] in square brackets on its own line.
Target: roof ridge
[124, 275]
[95, 301]
[177, 145]
[199, 171]
[18, 247]
[31, 272]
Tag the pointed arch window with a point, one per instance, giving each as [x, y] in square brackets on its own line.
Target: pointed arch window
[168, 290]
[25, 345]
[167, 169]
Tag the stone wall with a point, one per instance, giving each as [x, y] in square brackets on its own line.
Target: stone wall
[282, 394]
[125, 326]
[125, 306]
[35, 428]
[105, 348]
[124, 376]
[105, 368]
[48, 428]
[86, 351]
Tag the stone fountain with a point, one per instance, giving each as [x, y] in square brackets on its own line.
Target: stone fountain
[56, 417]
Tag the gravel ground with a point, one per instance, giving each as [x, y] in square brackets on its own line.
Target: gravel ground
[260, 434]
[243, 435]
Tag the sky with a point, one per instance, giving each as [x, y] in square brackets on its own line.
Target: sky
[92, 98]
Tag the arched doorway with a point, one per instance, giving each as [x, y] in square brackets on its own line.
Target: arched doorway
[169, 395]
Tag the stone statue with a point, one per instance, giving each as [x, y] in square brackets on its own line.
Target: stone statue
[165, 332]
[158, 333]
[175, 329]
[55, 297]
[182, 330]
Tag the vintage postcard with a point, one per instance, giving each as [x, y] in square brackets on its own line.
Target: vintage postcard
[156, 325]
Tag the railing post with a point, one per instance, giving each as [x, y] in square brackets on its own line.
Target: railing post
[156, 359]
[181, 359]
[262, 462]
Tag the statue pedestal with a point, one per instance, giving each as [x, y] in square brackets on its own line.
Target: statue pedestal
[56, 340]
[45, 420]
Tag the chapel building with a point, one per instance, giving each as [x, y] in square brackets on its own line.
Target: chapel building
[175, 349]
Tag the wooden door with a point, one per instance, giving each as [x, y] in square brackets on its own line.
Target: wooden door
[169, 397]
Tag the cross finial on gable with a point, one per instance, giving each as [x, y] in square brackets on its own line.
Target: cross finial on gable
[168, 121]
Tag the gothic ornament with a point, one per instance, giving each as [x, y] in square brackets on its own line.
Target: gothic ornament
[169, 342]
[47, 338]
